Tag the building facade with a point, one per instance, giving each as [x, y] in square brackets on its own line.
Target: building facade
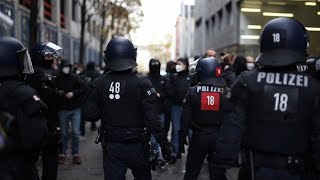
[234, 26]
[58, 22]
[184, 30]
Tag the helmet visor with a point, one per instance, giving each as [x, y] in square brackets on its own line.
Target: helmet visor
[193, 67]
[51, 51]
[25, 61]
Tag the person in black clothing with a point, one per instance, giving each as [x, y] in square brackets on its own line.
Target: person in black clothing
[171, 71]
[125, 102]
[161, 84]
[179, 86]
[276, 117]
[204, 108]
[69, 110]
[228, 71]
[240, 64]
[43, 80]
[22, 118]
[91, 74]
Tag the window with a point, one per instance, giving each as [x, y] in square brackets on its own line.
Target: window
[66, 47]
[62, 9]
[47, 9]
[26, 3]
[25, 29]
[7, 9]
[51, 34]
[207, 27]
[198, 22]
[213, 23]
[229, 13]
[74, 7]
[220, 23]
[76, 51]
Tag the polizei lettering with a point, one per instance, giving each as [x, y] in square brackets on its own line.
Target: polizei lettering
[283, 79]
[209, 89]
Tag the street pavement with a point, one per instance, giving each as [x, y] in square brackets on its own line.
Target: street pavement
[91, 167]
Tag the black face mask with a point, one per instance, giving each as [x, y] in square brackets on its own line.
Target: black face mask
[48, 64]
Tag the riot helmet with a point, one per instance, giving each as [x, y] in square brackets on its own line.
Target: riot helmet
[283, 42]
[14, 58]
[209, 72]
[120, 54]
[313, 64]
[44, 54]
[192, 66]
[154, 66]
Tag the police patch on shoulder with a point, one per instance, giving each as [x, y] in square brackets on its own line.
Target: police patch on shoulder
[151, 91]
[36, 98]
[140, 76]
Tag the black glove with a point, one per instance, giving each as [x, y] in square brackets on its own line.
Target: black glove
[182, 141]
[61, 92]
[166, 151]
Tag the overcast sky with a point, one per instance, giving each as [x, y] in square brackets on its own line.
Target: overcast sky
[159, 19]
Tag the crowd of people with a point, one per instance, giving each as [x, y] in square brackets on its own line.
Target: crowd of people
[267, 109]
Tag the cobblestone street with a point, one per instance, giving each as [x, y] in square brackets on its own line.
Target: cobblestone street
[91, 167]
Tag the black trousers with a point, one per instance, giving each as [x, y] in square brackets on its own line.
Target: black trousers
[118, 157]
[50, 154]
[201, 146]
[50, 161]
[18, 167]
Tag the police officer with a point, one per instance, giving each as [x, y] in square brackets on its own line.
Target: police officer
[22, 118]
[125, 102]
[43, 57]
[203, 111]
[313, 66]
[276, 109]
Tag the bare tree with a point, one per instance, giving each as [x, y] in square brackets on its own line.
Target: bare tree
[119, 18]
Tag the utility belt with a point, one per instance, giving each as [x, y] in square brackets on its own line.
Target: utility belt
[273, 160]
[198, 129]
[122, 135]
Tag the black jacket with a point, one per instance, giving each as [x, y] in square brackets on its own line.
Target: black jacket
[71, 83]
[124, 101]
[161, 84]
[179, 86]
[204, 108]
[229, 75]
[44, 82]
[28, 130]
[276, 111]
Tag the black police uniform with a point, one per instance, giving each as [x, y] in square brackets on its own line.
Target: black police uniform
[203, 112]
[276, 110]
[24, 123]
[124, 101]
[44, 81]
